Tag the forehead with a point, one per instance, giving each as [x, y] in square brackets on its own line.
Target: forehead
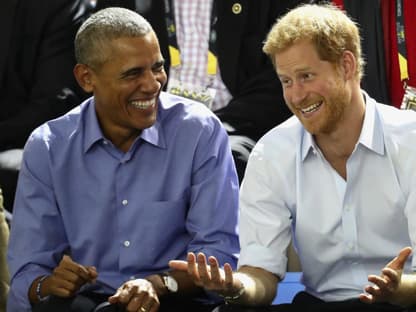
[138, 45]
[298, 56]
[127, 52]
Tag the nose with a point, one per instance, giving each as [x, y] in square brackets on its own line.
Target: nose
[296, 93]
[151, 83]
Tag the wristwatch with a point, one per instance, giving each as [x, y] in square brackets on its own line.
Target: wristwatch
[170, 283]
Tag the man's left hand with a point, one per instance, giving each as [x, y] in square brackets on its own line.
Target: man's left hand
[386, 286]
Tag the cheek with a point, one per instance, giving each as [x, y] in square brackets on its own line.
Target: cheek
[162, 78]
[286, 96]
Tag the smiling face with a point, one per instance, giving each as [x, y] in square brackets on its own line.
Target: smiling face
[314, 90]
[127, 85]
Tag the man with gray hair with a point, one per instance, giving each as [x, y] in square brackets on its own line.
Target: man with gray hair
[114, 189]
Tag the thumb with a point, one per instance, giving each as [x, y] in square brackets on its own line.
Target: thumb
[179, 265]
[398, 262]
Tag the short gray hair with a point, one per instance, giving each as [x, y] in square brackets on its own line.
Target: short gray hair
[103, 26]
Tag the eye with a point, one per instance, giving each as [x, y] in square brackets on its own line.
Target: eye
[285, 82]
[158, 67]
[132, 74]
[307, 76]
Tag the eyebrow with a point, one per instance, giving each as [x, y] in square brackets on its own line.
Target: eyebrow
[136, 70]
[297, 71]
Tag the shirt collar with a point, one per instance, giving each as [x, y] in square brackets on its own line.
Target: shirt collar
[371, 133]
[153, 135]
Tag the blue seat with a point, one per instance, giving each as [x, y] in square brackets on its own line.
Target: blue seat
[288, 288]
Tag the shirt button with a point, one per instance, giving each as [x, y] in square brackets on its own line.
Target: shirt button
[132, 277]
[125, 202]
[350, 246]
[126, 243]
[105, 142]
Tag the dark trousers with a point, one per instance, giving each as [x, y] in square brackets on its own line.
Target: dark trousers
[306, 302]
[88, 302]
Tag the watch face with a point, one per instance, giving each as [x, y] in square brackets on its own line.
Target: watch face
[171, 283]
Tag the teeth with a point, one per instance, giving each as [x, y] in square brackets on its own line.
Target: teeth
[311, 108]
[143, 104]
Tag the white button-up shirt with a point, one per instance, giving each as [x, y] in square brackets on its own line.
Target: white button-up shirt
[343, 230]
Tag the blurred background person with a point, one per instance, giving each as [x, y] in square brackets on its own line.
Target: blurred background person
[36, 79]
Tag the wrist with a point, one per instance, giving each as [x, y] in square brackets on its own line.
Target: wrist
[234, 296]
[169, 282]
[38, 289]
[163, 283]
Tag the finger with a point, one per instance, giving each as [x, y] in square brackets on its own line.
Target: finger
[399, 262]
[155, 307]
[178, 265]
[229, 277]
[135, 303]
[215, 271]
[92, 273]
[391, 275]
[122, 295]
[192, 266]
[68, 278]
[128, 293]
[204, 275]
[146, 306]
[115, 298]
[366, 298]
[62, 284]
[79, 270]
[85, 273]
[374, 291]
[381, 282]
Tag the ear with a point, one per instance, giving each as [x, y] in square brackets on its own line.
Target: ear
[349, 65]
[83, 75]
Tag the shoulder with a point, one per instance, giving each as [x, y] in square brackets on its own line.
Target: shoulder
[283, 140]
[186, 113]
[59, 131]
[397, 122]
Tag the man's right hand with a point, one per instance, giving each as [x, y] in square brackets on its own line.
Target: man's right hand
[66, 279]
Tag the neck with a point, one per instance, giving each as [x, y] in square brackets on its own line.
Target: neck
[343, 139]
[338, 145]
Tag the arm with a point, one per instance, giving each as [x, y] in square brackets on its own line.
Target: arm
[37, 240]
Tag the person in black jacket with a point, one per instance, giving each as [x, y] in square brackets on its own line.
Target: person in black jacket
[256, 103]
[36, 79]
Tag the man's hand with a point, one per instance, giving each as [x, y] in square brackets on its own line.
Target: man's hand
[210, 277]
[66, 279]
[386, 287]
[137, 296]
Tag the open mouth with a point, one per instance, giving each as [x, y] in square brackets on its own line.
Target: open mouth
[312, 108]
[143, 104]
